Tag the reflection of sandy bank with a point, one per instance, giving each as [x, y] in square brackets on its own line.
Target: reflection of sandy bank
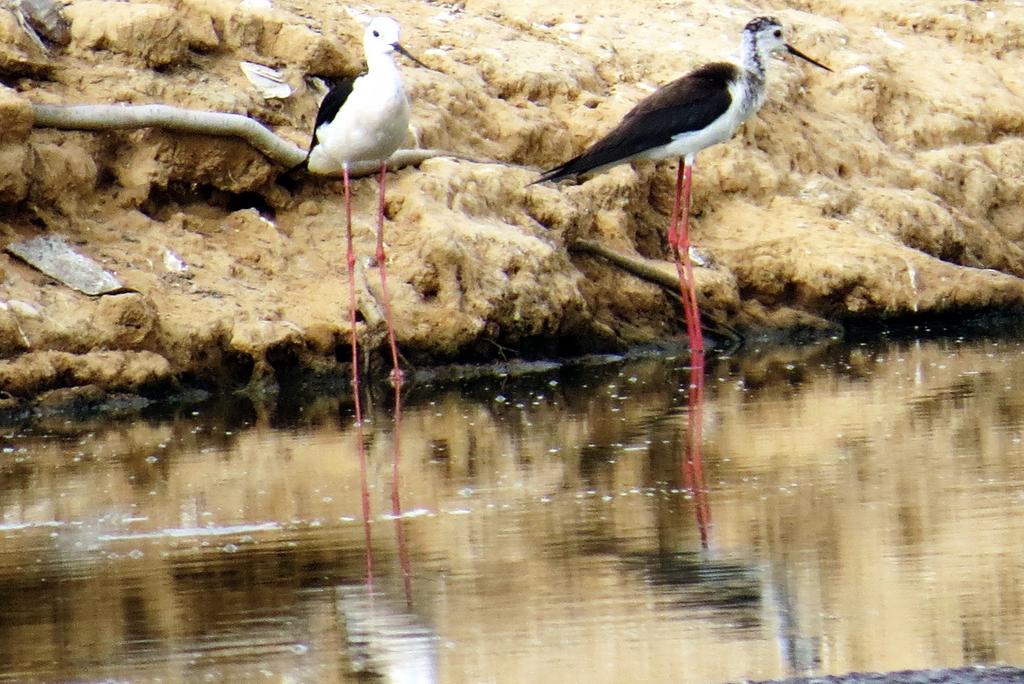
[863, 519]
[897, 479]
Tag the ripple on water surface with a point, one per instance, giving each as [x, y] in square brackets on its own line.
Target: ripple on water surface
[820, 509]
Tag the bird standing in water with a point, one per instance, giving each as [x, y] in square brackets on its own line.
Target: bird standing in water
[680, 119]
[365, 119]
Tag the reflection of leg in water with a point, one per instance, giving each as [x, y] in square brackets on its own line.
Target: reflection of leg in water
[693, 467]
[364, 491]
[396, 502]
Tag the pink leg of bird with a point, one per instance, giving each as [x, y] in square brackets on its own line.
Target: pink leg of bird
[673, 242]
[679, 241]
[396, 371]
[350, 260]
[697, 341]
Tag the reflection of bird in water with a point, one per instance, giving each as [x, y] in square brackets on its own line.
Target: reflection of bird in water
[365, 119]
[726, 592]
[692, 459]
[385, 640]
[680, 119]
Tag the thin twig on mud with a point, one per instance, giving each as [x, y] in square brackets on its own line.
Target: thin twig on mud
[648, 270]
[638, 266]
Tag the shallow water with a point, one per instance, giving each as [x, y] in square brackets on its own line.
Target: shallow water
[817, 510]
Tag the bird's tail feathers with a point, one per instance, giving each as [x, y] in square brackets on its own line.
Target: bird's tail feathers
[556, 174]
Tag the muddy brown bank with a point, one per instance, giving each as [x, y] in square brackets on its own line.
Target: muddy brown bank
[875, 192]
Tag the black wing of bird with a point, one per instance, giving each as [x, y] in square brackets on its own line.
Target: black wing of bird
[687, 104]
[329, 108]
[332, 104]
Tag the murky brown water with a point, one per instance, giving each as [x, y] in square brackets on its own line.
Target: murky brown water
[845, 508]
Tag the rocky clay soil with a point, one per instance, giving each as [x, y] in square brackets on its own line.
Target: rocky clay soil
[960, 675]
[890, 188]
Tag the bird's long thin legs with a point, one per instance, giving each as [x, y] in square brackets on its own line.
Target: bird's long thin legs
[673, 243]
[697, 341]
[396, 371]
[679, 241]
[350, 262]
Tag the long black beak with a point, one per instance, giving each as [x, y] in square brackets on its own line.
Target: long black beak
[797, 53]
[402, 51]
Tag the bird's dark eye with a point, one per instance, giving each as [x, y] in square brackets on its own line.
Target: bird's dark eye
[376, 34]
[778, 33]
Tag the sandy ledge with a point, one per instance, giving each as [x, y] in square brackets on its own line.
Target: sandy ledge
[881, 191]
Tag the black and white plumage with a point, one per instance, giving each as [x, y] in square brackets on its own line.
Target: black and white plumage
[699, 110]
[330, 105]
[365, 119]
[691, 103]
[696, 111]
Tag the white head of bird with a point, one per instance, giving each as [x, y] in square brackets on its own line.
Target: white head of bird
[763, 37]
[380, 39]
